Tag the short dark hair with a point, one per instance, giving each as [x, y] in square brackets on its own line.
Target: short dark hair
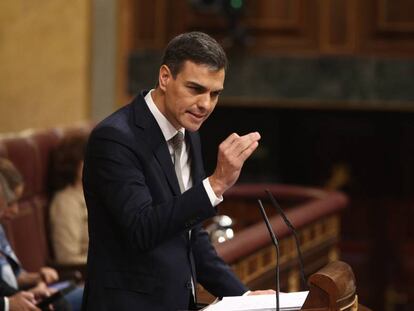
[197, 47]
[66, 158]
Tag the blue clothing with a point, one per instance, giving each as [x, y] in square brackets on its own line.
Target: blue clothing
[75, 298]
[10, 266]
[10, 263]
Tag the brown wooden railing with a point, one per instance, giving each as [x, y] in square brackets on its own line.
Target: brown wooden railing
[314, 212]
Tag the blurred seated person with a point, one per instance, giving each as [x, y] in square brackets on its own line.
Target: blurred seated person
[68, 213]
[10, 267]
[12, 299]
[13, 190]
[16, 301]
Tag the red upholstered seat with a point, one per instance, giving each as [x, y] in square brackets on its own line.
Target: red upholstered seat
[30, 152]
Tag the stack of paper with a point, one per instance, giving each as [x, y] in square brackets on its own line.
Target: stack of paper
[287, 302]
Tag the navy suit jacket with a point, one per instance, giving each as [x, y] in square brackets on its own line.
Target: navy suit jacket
[5, 291]
[140, 256]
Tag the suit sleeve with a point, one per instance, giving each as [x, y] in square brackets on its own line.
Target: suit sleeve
[212, 272]
[117, 177]
[6, 289]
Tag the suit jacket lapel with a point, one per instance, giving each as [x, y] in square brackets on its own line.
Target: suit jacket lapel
[197, 168]
[155, 139]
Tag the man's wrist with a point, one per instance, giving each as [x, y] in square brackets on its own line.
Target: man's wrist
[216, 186]
[211, 194]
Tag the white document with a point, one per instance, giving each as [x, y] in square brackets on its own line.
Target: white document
[287, 302]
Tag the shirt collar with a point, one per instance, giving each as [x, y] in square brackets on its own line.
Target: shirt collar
[167, 129]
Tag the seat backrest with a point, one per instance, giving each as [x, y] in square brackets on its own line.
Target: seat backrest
[30, 152]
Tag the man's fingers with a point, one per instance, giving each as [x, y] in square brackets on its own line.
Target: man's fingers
[245, 144]
[232, 154]
[248, 151]
[229, 141]
[235, 144]
[28, 296]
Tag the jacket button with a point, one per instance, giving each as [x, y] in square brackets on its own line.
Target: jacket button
[188, 285]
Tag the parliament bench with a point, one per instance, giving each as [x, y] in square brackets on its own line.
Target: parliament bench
[30, 151]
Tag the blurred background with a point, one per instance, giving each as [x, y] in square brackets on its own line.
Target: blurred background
[328, 83]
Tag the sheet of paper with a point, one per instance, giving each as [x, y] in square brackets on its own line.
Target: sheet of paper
[287, 302]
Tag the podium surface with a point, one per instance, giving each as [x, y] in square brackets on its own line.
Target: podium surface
[332, 288]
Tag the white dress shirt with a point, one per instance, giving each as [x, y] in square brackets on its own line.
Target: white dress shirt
[6, 304]
[169, 131]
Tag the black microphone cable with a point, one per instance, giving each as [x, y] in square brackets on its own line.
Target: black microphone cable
[293, 230]
[276, 243]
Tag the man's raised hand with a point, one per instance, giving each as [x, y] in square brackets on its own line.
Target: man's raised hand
[232, 154]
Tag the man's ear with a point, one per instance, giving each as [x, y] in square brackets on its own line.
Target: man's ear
[164, 77]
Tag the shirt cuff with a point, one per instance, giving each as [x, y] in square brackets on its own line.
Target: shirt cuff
[211, 195]
[6, 304]
[246, 293]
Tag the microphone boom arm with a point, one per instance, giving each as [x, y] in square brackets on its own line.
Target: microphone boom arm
[295, 235]
[276, 243]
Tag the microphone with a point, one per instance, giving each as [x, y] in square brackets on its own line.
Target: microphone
[293, 230]
[276, 243]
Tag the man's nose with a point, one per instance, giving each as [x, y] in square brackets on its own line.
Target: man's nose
[204, 102]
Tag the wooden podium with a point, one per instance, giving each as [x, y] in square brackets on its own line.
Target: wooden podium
[333, 289]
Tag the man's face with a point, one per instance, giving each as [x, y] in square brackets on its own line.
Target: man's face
[191, 96]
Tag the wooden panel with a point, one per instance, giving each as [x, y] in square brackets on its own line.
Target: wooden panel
[143, 24]
[386, 27]
[352, 27]
[270, 15]
[337, 26]
[396, 15]
[280, 26]
[271, 24]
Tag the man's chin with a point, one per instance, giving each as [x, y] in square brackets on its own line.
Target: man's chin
[192, 126]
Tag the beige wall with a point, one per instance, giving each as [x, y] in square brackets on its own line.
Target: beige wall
[44, 63]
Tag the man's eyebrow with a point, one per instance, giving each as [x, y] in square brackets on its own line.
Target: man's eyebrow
[195, 84]
[202, 87]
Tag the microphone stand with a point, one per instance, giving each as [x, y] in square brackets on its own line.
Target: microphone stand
[293, 230]
[276, 243]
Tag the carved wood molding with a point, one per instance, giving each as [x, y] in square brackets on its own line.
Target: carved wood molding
[392, 16]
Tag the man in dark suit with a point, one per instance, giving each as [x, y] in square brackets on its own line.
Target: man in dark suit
[13, 300]
[146, 191]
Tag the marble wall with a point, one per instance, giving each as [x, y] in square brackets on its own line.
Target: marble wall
[328, 82]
